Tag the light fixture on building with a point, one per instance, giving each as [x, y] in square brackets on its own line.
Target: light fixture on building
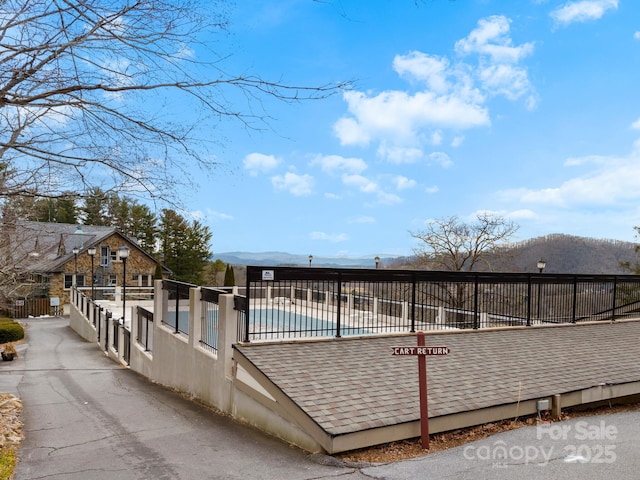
[123, 254]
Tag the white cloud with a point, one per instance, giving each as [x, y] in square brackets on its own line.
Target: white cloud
[401, 115]
[330, 237]
[333, 163]
[504, 79]
[457, 141]
[404, 183]
[260, 163]
[491, 38]
[360, 182]
[582, 11]
[298, 185]
[210, 215]
[636, 125]
[446, 95]
[523, 214]
[498, 71]
[589, 159]
[612, 181]
[367, 186]
[431, 69]
[363, 219]
[432, 189]
[636, 35]
[439, 158]
[399, 155]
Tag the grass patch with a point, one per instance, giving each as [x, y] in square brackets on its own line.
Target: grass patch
[8, 456]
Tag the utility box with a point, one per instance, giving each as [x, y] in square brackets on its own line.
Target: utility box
[543, 405]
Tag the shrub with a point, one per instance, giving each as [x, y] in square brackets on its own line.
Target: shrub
[11, 332]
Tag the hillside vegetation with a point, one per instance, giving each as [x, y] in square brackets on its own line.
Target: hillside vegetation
[562, 254]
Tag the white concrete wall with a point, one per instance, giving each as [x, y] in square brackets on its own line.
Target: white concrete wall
[179, 362]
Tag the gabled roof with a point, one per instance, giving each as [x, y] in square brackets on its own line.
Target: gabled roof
[45, 247]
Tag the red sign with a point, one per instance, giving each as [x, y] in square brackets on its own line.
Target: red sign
[421, 350]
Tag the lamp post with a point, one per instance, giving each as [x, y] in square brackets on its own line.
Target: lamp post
[92, 253]
[377, 260]
[75, 251]
[541, 265]
[123, 254]
[310, 259]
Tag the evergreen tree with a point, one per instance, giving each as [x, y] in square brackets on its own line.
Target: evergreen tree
[229, 277]
[62, 209]
[158, 273]
[94, 210]
[132, 218]
[184, 246]
[213, 272]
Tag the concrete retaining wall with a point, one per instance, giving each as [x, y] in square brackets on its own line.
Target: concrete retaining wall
[179, 362]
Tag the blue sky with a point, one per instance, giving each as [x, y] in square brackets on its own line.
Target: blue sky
[527, 109]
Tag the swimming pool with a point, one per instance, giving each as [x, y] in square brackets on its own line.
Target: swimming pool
[270, 324]
[273, 323]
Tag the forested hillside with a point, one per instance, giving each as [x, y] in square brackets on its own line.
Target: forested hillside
[562, 254]
[569, 254]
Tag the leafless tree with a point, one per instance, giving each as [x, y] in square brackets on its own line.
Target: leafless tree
[89, 91]
[451, 244]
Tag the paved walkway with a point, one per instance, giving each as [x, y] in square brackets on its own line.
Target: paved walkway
[87, 418]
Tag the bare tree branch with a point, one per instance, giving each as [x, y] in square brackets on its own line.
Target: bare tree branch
[83, 85]
[450, 244]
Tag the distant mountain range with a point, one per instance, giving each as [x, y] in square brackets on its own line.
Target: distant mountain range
[562, 253]
[288, 259]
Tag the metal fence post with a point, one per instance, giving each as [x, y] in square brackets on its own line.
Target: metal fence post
[575, 299]
[529, 301]
[615, 288]
[177, 307]
[475, 302]
[413, 302]
[247, 315]
[106, 331]
[339, 305]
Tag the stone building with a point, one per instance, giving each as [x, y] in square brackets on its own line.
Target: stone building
[49, 258]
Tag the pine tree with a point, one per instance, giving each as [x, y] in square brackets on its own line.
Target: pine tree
[229, 277]
[184, 246]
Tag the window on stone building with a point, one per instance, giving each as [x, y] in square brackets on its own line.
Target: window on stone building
[105, 256]
[68, 281]
[143, 280]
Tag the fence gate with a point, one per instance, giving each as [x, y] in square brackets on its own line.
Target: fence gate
[35, 307]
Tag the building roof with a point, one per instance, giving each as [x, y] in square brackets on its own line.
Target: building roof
[45, 247]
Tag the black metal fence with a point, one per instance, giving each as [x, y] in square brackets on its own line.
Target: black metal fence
[209, 322]
[289, 302]
[126, 348]
[178, 305]
[145, 328]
